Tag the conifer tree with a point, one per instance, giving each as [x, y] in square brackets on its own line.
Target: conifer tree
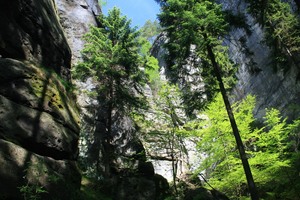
[150, 29]
[201, 23]
[282, 30]
[112, 58]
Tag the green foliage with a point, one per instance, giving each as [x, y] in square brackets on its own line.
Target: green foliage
[191, 26]
[32, 190]
[112, 57]
[150, 30]
[153, 73]
[282, 30]
[270, 151]
[197, 27]
[147, 32]
[159, 127]
[216, 133]
[151, 63]
[102, 2]
[165, 106]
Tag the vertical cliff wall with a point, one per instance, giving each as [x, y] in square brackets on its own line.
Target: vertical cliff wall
[39, 127]
[278, 89]
[76, 17]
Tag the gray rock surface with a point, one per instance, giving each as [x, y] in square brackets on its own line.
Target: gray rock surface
[41, 116]
[76, 16]
[272, 89]
[40, 121]
[30, 30]
[20, 168]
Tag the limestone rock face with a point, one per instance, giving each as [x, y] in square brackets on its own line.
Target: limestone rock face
[39, 127]
[76, 16]
[272, 88]
[30, 30]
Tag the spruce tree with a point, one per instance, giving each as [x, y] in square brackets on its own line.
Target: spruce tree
[112, 58]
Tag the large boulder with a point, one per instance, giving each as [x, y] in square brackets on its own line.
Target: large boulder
[36, 111]
[22, 171]
[142, 184]
[204, 194]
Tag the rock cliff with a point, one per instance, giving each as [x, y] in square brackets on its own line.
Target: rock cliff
[278, 89]
[76, 17]
[272, 88]
[30, 30]
[40, 121]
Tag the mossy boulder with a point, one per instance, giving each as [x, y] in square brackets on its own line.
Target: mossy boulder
[36, 110]
[39, 133]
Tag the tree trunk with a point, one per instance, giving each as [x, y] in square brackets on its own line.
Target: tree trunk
[107, 146]
[240, 146]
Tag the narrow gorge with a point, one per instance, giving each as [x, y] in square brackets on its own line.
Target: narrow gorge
[61, 138]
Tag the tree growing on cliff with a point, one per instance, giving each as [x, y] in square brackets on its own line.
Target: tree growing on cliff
[150, 30]
[160, 126]
[201, 23]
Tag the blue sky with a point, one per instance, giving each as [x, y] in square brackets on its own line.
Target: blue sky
[139, 11]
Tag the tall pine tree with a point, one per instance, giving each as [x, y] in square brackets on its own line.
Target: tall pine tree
[201, 23]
